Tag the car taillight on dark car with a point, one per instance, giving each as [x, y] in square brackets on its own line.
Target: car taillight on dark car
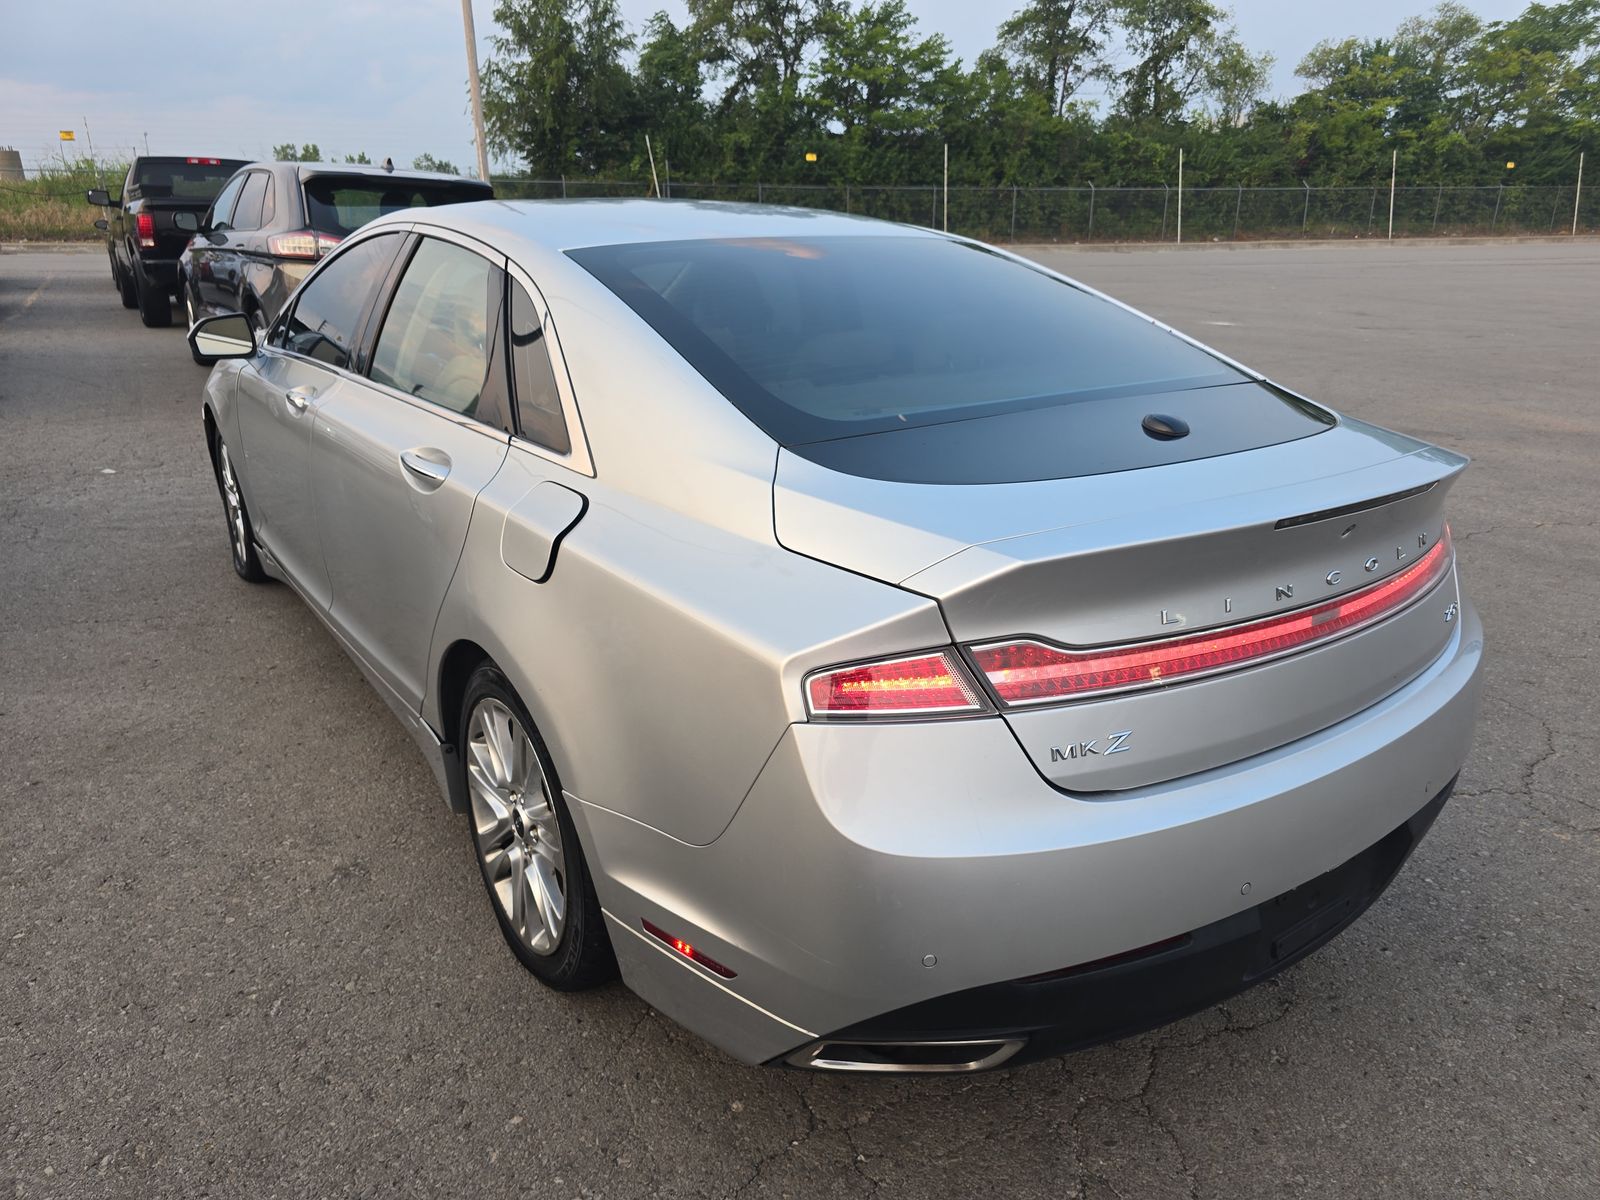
[307, 243]
[146, 230]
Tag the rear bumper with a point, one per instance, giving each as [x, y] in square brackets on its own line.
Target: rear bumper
[1024, 1019]
[892, 879]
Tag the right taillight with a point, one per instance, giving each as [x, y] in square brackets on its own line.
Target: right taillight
[146, 229]
[919, 685]
[305, 244]
[1027, 672]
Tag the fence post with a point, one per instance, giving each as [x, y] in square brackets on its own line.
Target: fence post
[1305, 216]
[1499, 195]
[847, 197]
[563, 186]
[1394, 170]
[1576, 194]
[1372, 213]
[933, 216]
[760, 199]
[1014, 212]
[1237, 204]
[1089, 237]
[1180, 195]
[1436, 203]
[1166, 199]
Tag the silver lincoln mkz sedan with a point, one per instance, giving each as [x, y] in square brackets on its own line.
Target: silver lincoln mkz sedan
[888, 654]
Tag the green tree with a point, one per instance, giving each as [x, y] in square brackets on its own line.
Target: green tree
[758, 44]
[427, 162]
[1056, 46]
[555, 91]
[309, 152]
[360, 159]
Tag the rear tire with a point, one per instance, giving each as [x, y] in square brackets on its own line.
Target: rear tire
[526, 846]
[155, 306]
[241, 534]
[126, 288]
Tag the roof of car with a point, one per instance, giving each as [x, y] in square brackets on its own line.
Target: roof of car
[309, 169]
[572, 224]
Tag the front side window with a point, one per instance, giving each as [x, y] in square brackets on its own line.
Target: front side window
[328, 309]
[538, 402]
[435, 341]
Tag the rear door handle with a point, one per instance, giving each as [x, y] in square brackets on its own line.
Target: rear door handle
[300, 398]
[425, 466]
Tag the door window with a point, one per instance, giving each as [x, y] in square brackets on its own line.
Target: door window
[247, 213]
[538, 401]
[222, 206]
[435, 342]
[327, 313]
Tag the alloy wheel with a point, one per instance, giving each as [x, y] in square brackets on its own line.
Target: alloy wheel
[234, 505]
[516, 830]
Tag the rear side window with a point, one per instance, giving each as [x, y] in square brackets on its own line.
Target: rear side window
[247, 212]
[436, 339]
[222, 207]
[821, 338]
[328, 309]
[534, 378]
[342, 204]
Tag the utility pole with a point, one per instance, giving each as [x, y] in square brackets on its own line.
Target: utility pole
[1577, 194]
[147, 145]
[477, 91]
[655, 183]
[947, 187]
[1394, 167]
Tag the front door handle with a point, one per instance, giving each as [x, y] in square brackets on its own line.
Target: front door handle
[428, 467]
[300, 398]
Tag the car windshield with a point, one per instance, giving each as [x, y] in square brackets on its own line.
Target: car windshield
[829, 337]
[184, 180]
[342, 205]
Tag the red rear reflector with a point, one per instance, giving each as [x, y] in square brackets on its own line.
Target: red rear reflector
[1030, 672]
[685, 949]
[923, 684]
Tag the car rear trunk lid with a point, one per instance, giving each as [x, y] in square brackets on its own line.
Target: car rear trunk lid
[1141, 555]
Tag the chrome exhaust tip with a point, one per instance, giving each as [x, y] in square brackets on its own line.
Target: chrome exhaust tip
[924, 1058]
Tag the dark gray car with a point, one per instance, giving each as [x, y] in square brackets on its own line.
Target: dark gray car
[272, 221]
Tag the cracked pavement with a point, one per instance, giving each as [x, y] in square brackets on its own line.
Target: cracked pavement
[244, 950]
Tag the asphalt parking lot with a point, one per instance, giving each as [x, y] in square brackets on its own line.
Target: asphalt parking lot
[244, 951]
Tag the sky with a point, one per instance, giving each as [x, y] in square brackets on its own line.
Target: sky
[388, 77]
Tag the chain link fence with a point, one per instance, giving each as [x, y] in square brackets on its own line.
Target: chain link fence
[1146, 214]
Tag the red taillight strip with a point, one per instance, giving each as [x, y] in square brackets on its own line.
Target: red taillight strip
[932, 684]
[1030, 672]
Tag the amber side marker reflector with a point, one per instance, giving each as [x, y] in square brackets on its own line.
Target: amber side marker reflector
[685, 949]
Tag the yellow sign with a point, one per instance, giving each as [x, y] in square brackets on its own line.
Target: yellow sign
[811, 156]
[1510, 165]
[68, 135]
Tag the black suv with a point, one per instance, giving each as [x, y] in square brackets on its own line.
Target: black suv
[272, 221]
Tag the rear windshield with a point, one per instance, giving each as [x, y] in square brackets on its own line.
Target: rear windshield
[341, 206]
[830, 337]
[184, 180]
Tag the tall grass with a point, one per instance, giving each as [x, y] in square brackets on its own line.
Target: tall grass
[49, 205]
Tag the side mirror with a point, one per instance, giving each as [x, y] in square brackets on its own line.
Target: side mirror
[99, 197]
[229, 335]
[103, 225]
[186, 221]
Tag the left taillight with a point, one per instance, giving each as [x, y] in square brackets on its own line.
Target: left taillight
[146, 229]
[306, 244]
[934, 684]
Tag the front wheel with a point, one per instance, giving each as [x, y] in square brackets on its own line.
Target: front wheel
[525, 843]
[241, 534]
[191, 315]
